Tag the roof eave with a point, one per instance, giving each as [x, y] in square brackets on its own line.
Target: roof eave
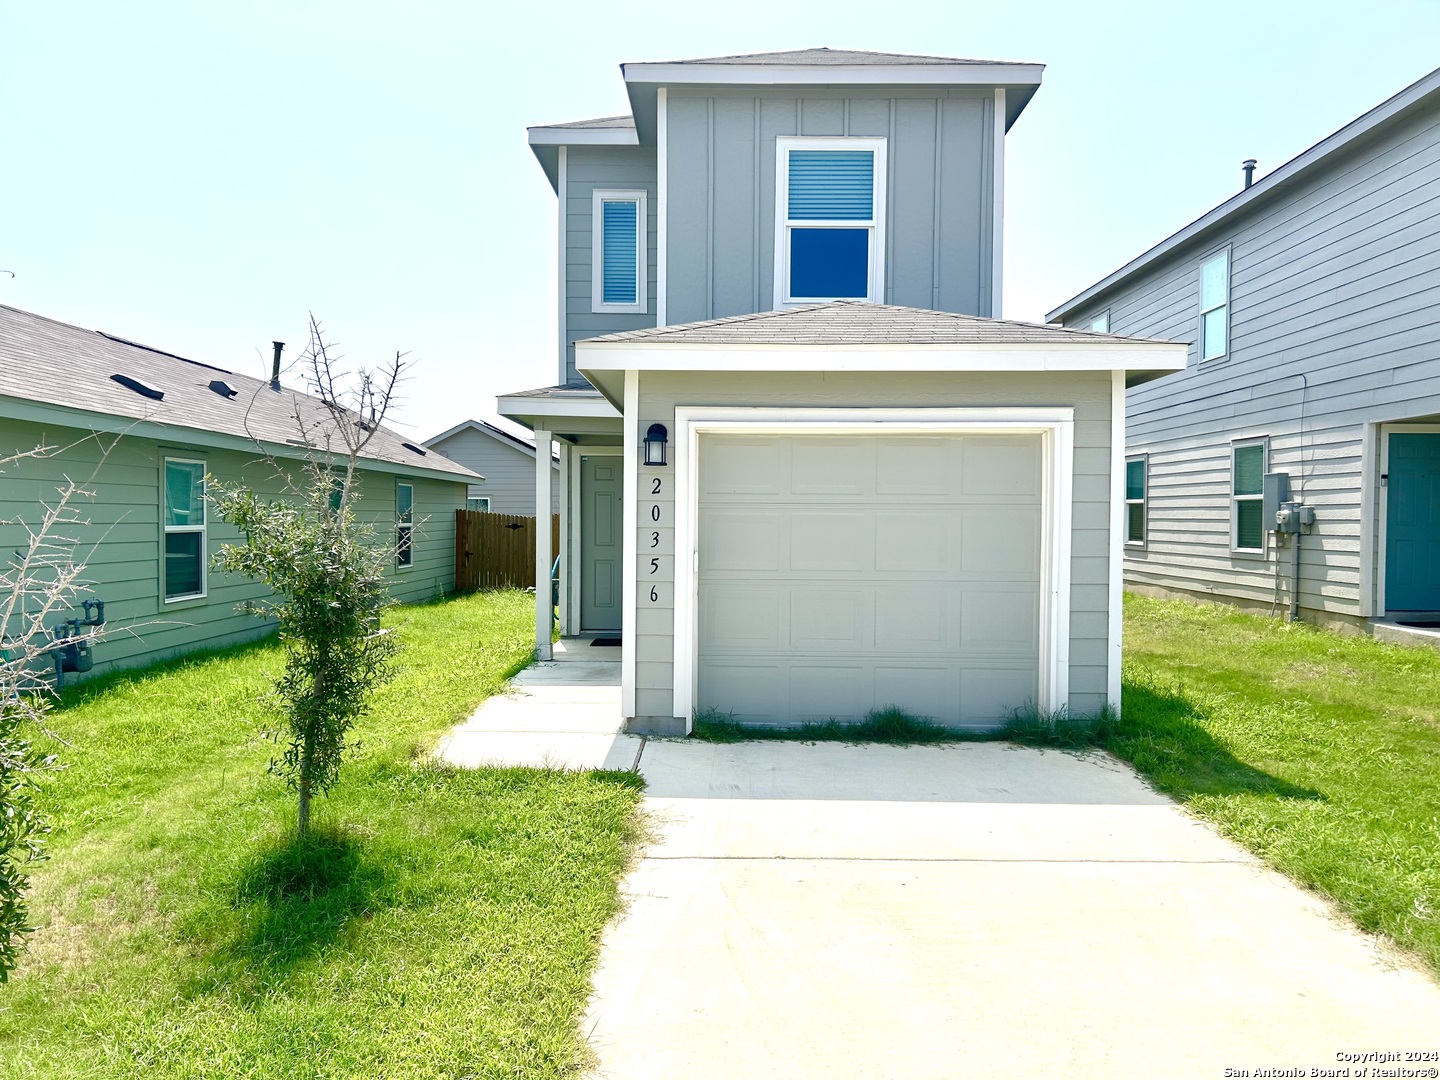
[1293, 171]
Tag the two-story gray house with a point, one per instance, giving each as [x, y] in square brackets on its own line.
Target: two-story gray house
[1312, 303]
[806, 471]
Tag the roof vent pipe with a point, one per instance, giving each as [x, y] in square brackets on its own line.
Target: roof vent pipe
[1249, 166]
[275, 367]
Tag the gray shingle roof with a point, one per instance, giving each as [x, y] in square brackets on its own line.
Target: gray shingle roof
[826, 57]
[53, 363]
[853, 322]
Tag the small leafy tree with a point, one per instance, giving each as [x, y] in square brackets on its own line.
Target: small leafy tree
[326, 569]
[39, 584]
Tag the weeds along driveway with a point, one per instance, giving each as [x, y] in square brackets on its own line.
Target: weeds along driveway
[968, 910]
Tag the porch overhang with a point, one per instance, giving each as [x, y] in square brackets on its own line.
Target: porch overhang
[568, 413]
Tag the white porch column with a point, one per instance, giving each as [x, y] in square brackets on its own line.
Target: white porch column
[544, 609]
[565, 553]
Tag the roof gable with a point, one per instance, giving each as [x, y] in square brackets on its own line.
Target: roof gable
[500, 435]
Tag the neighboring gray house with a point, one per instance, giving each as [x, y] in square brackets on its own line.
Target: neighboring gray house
[143, 430]
[805, 472]
[1312, 301]
[505, 462]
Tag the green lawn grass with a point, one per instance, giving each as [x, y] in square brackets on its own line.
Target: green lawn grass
[1319, 752]
[452, 930]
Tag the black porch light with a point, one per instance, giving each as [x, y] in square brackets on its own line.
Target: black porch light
[655, 440]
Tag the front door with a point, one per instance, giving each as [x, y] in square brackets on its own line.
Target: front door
[601, 547]
[1412, 524]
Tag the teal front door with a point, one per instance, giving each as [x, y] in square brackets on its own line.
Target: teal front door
[1412, 522]
[601, 546]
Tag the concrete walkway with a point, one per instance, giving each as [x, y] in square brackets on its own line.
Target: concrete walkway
[974, 910]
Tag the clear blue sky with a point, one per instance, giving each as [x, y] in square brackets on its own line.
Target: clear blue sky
[199, 176]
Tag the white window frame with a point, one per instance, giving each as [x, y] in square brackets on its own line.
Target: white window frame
[1143, 501]
[407, 527]
[1224, 253]
[598, 198]
[1262, 441]
[479, 499]
[876, 275]
[203, 529]
[1103, 316]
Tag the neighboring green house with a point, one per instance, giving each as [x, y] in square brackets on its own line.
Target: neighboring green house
[149, 537]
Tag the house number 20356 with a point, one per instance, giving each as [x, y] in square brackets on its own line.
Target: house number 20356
[654, 567]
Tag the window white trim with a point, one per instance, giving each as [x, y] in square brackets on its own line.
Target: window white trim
[404, 528]
[876, 225]
[1262, 441]
[1143, 502]
[1095, 323]
[598, 198]
[203, 529]
[1224, 253]
[1056, 425]
[478, 499]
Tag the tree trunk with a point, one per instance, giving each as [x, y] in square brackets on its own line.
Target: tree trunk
[307, 763]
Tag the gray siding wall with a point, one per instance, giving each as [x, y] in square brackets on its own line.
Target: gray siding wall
[720, 190]
[1088, 393]
[588, 168]
[509, 472]
[121, 540]
[1334, 325]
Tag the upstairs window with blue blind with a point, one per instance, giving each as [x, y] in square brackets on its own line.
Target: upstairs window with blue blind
[619, 281]
[829, 204]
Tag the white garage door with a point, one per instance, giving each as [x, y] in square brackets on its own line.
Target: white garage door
[844, 573]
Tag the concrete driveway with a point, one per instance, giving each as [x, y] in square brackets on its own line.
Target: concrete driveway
[966, 911]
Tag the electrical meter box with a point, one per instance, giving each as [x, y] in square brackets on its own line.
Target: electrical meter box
[1276, 492]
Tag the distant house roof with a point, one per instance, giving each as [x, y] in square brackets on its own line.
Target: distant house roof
[55, 372]
[499, 434]
[827, 57]
[1423, 94]
[854, 322]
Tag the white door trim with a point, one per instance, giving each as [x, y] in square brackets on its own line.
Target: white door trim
[1055, 425]
[582, 451]
[1383, 514]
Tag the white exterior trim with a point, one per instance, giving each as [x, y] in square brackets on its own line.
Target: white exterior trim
[662, 188]
[630, 481]
[566, 517]
[1383, 511]
[203, 528]
[1371, 494]
[1205, 260]
[586, 405]
[1056, 425]
[544, 557]
[563, 137]
[675, 74]
[876, 225]
[997, 242]
[1118, 511]
[1263, 551]
[562, 191]
[641, 199]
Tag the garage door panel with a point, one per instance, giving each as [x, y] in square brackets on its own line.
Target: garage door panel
[743, 465]
[742, 540]
[823, 466]
[875, 570]
[1000, 540]
[841, 542]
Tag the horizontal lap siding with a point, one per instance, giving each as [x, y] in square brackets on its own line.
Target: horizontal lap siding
[121, 542]
[1335, 324]
[1089, 394]
[606, 167]
[508, 470]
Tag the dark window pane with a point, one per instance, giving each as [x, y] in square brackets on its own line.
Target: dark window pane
[1134, 479]
[182, 563]
[1249, 524]
[404, 549]
[404, 501]
[1135, 525]
[184, 493]
[829, 264]
[1249, 470]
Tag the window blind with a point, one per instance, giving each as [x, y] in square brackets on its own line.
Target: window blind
[832, 185]
[620, 227]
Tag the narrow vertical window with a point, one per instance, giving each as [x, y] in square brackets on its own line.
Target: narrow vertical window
[619, 280]
[184, 528]
[1247, 486]
[404, 525]
[1101, 323]
[1136, 482]
[1215, 306]
[829, 199]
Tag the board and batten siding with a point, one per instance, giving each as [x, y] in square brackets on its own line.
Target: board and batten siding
[720, 193]
[508, 470]
[588, 168]
[1088, 393]
[121, 540]
[1334, 326]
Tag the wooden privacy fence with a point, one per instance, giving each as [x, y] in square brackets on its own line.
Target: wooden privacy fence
[497, 551]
